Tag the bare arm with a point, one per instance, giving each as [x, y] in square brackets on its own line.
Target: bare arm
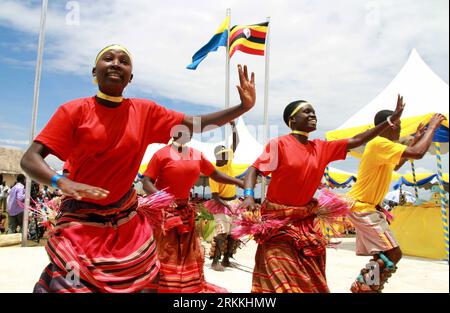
[34, 165]
[235, 136]
[215, 197]
[249, 183]
[247, 94]
[417, 151]
[419, 134]
[368, 135]
[225, 179]
[148, 185]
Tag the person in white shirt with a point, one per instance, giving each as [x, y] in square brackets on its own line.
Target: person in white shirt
[3, 195]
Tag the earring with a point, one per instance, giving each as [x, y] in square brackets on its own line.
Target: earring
[94, 81]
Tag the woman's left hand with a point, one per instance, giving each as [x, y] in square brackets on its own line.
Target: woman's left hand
[246, 89]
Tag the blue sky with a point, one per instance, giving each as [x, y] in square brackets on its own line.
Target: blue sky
[337, 54]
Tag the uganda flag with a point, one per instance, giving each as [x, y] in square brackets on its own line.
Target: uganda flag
[249, 39]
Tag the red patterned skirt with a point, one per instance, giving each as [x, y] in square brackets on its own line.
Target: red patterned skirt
[97, 248]
[181, 254]
[291, 259]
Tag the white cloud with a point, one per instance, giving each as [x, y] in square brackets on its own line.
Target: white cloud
[339, 55]
[14, 142]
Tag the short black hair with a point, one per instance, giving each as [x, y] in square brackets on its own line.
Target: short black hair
[289, 109]
[21, 178]
[382, 116]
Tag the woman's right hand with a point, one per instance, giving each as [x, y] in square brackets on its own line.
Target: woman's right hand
[246, 88]
[79, 191]
[248, 204]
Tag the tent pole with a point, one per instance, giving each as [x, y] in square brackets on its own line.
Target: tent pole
[443, 202]
[266, 104]
[416, 188]
[227, 75]
[37, 80]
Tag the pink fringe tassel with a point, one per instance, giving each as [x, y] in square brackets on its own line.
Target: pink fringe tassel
[256, 226]
[153, 207]
[331, 207]
[216, 208]
[46, 212]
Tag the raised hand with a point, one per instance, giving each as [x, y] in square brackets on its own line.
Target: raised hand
[436, 120]
[419, 133]
[79, 191]
[398, 109]
[246, 89]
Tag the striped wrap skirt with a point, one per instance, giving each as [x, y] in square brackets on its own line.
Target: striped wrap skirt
[291, 259]
[97, 248]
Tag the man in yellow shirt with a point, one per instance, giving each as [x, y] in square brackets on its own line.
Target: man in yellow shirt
[225, 197]
[381, 156]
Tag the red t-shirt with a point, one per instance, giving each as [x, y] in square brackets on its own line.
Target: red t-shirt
[176, 171]
[106, 145]
[297, 169]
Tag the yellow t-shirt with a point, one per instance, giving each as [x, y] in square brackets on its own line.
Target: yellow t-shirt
[375, 172]
[224, 190]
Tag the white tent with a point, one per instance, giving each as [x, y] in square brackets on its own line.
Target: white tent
[423, 92]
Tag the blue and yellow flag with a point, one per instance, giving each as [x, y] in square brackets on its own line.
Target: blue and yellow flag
[219, 39]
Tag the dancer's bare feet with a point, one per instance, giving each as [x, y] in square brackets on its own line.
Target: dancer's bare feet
[217, 266]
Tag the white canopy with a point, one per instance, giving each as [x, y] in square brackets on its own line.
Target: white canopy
[423, 92]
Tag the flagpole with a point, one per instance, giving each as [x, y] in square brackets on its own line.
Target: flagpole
[37, 80]
[266, 102]
[227, 75]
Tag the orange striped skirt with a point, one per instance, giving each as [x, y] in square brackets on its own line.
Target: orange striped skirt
[97, 248]
[182, 256]
[291, 259]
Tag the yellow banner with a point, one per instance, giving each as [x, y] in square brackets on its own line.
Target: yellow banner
[419, 231]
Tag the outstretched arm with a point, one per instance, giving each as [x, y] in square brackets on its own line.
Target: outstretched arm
[34, 165]
[364, 137]
[148, 185]
[419, 134]
[418, 150]
[225, 179]
[247, 94]
[215, 197]
[249, 183]
[235, 136]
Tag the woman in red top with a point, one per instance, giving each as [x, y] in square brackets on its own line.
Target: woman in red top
[292, 258]
[176, 168]
[101, 242]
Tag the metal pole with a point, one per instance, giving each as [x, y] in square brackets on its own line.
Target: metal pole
[266, 104]
[37, 80]
[227, 76]
[443, 202]
[416, 188]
